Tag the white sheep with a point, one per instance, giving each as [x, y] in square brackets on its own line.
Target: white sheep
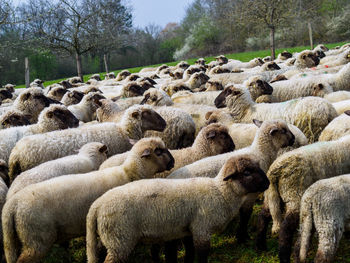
[65, 217]
[85, 109]
[338, 96]
[36, 149]
[341, 106]
[72, 97]
[337, 128]
[200, 207]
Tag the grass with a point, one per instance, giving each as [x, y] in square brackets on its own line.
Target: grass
[224, 249]
[243, 56]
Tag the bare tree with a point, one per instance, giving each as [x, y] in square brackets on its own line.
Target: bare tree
[271, 13]
[5, 11]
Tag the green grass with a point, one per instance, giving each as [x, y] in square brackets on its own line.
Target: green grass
[243, 56]
[224, 249]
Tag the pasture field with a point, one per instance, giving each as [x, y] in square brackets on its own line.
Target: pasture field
[243, 56]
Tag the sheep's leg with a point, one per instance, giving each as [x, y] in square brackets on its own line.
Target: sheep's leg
[244, 215]
[202, 247]
[189, 249]
[289, 225]
[329, 236]
[155, 249]
[31, 255]
[263, 222]
[171, 251]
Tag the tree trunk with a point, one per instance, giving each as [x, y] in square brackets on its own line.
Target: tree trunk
[272, 42]
[106, 63]
[310, 35]
[79, 67]
[26, 72]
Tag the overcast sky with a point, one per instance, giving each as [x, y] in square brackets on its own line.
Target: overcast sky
[159, 12]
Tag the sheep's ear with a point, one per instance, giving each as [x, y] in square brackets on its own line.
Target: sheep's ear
[146, 153]
[135, 114]
[211, 134]
[132, 141]
[49, 114]
[103, 149]
[231, 176]
[347, 112]
[273, 131]
[208, 114]
[320, 86]
[257, 122]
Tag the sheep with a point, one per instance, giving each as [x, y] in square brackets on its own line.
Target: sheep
[270, 138]
[96, 77]
[338, 96]
[132, 89]
[283, 56]
[156, 97]
[88, 159]
[122, 75]
[34, 150]
[65, 217]
[13, 118]
[31, 102]
[204, 98]
[309, 114]
[336, 128]
[191, 70]
[174, 87]
[341, 106]
[3, 191]
[213, 85]
[75, 81]
[57, 93]
[290, 175]
[341, 59]
[324, 205]
[84, 111]
[211, 140]
[37, 83]
[107, 109]
[89, 89]
[55, 117]
[197, 210]
[234, 64]
[243, 133]
[200, 61]
[72, 97]
[10, 87]
[110, 75]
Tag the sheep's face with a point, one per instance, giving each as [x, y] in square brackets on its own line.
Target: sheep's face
[122, 75]
[183, 65]
[320, 90]
[271, 66]
[217, 116]
[278, 78]
[200, 61]
[217, 138]
[219, 70]
[308, 59]
[151, 98]
[63, 118]
[73, 97]
[10, 88]
[197, 79]
[245, 172]
[37, 99]
[160, 68]
[150, 120]
[258, 87]
[110, 75]
[285, 55]
[92, 89]
[5, 94]
[145, 84]
[133, 90]
[96, 77]
[57, 93]
[213, 86]
[177, 74]
[172, 89]
[4, 172]
[278, 132]
[258, 61]
[133, 77]
[97, 150]
[155, 157]
[221, 59]
[267, 59]
[320, 54]
[66, 84]
[229, 91]
[94, 99]
[154, 76]
[15, 119]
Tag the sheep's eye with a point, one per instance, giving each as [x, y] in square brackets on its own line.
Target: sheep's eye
[158, 151]
[246, 173]
[283, 130]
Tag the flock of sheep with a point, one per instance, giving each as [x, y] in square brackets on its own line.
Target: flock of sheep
[202, 143]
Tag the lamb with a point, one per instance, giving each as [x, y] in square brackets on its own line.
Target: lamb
[13, 118]
[325, 205]
[243, 133]
[88, 159]
[34, 150]
[198, 210]
[57, 93]
[55, 117]
[72, 97]
[211, 140]
[309, 114]
[336, 128]
[65, 218]
[84, 111]
[270, 138]
[290, 175]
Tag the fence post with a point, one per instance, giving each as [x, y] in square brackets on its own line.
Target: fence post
[26, 71]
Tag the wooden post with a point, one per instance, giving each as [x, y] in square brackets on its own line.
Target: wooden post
[310, 35]
[106, 64]
[272, 42]
[26, 72]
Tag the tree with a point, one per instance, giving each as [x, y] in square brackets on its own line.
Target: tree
[271, 13]
[5, 11]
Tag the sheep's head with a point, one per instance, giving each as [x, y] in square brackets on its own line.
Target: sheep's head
[92, 89]
[110, 75]
[98, 151]
[321, 47]
[230, 92]
[183, 65]
[320, 54]
[213, 85]
[221, 59]
[285, 55]
[267, 59]
[200, 61]
[94, 99]
[156, 97]
[347, 55]
[10, 87]
[5, 94]
[154, 76]
[132, 77]
[151, 157]
[198, 79]
[57, 93]
[160, 68]
[320, 90]
[269, 66]
[133, 89]
[217, 116]
[73, 97]
[278, 78]
[177, 74]
[57, 117]
[146, 84]
[14, 118]
[96, 77]
[258, 61]
[215, 139]
[173, 88]
[66, 84]
[258, 87]
[122, 75]
[245, 173]
[307, 59]
[219, 70]
[277, 132]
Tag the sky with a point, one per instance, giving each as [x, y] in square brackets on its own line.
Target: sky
[159, 12]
